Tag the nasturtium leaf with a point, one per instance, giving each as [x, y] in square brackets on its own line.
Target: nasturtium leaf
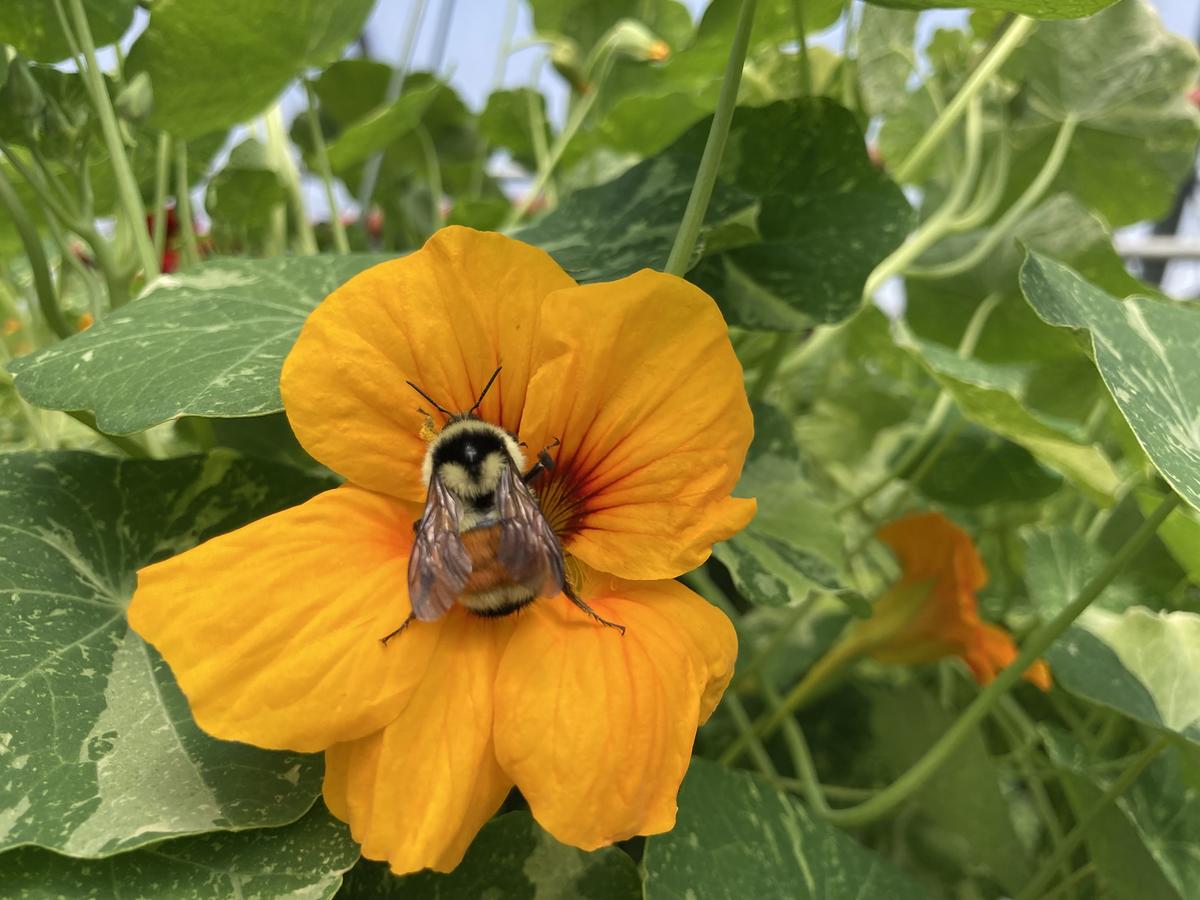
[380, 128]
[978, 468]
[1059, 563]
[33, 28]
[991, 393]
[304, 861]
[1125, 78]
[510, 121]
[1179, 532]
[1143, 664]
[887, 56]
[99, 750]
[737, 837]
[207, 342]
[511, 858]
[791, 547]
[1040, 9]
[212, 67]
[246, 190]
[797, 171]
[1143, 843]
[1145, 350]
[967, 812]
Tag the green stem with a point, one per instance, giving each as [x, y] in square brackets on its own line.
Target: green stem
[127, 189]
[680, 258]
[758, 753]
[326, 172]
[1005, 224]
[937, 414]
[162, 175]
[1012, 38]
[936, 756]
[795, 615]
[574, 122]
[503, 52]
[940, 223]
[277, 146]
[1064, 850]
[183, 207]
[43, 284]
[433, 173]
[806, 87]
[793, 737]
[991, 192]
[770, 366]
[1084, 872]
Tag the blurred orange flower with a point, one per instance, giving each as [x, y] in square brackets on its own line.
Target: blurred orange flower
[931, 612]
[273, 631]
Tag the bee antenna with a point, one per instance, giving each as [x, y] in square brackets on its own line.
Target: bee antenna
[445, 412]
[486, 388]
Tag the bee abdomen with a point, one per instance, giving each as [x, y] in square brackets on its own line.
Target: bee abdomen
[490, 591]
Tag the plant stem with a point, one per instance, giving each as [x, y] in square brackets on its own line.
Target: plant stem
[433, 173]
[503, 52]
[770, 366]
[162, 174]
[280, 152]
[680, 258]
[318, 140]
[1012, 38]
[1005, 224]
[183, 206]
[936, 756]
[806, 87]
[43, 284]
[940, 223]
[795, 615]
[127, 189]
[758, 753]
[1064, 850]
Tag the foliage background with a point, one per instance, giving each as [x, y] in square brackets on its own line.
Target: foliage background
[1018, 392]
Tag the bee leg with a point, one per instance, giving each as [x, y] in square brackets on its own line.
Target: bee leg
[578, 601]
[403, 625]
[544, 463]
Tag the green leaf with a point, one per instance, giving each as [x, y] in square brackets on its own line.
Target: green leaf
[791, 546]
[796, 172]
[1039, 9]
[208, 342]
[1126, 78]
[508, 121]
[304, 861]
[1180, 532]
[737, 838]
[244, 192]
[1145, 351]
[967, 813]
[100, 752]
[32, 26]
[977, 468]
[991, 394]
[1143, 844]
[381, 127]
[1058, 565]
[514, 859]
[216, 64]
[1145, 665]
[887, 57]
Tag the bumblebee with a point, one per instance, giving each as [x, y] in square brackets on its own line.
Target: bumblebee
[482, 540]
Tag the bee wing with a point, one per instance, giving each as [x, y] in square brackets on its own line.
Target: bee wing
[529, 549]
[439, 565]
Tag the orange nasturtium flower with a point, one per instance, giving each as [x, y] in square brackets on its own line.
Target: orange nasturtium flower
[273, 631]
[931, 612]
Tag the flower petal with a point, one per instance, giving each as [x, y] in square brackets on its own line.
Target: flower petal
[991, 649]
[444, 318]
[417, 792]
[642, 387]
[596, 728]
[273, 630]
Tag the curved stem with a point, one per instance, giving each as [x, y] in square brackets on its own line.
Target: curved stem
[433, 173]
[1005, 224]
[127, 189]
[991, 192]
[43, 284]
[1063, 851]
[936, 756]
[183, 204]
[770, 366]
[162, 175]
[1012, 38]
[322, 153]
[280, 151]
[706, 175]
[939, 224]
